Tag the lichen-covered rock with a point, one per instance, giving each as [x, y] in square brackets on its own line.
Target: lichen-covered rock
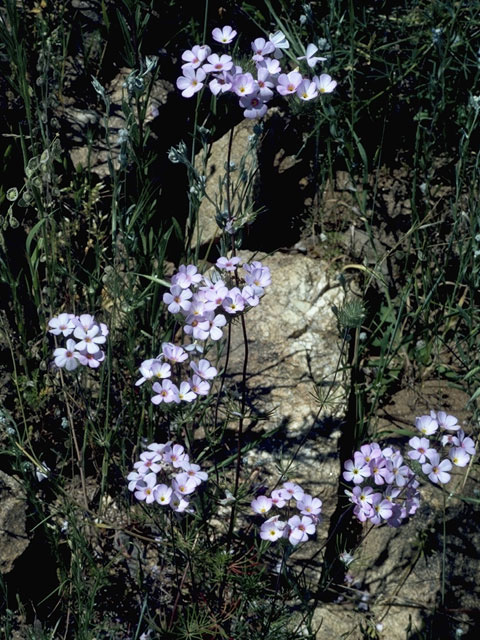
[13, 533]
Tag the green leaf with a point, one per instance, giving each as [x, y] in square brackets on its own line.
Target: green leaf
[33, 233]
[152, 279]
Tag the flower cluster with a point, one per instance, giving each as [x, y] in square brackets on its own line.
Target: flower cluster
[372, 468]
[87, 331]
[254, 91]
[299, 526]
[164, 474]
[203, 306]
[460, 447]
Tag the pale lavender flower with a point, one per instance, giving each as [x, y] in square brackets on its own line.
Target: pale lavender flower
[420, 449]
[218, 294]
[355, 471]
[437, 471]
[89, 340]
[445, 421]
[161, 370]
[159, 447]
[465, 442]
[324, 83]
[426, 425]
[272, 529]
[249, 295]
[194, 472]
[93, 360]
[291, 490]
[264, 83]
[104, 329]
[309, 506]
[62, 324]
[199, 386]
[369, 452]
[229, 264]
[381, 507]
[198, 328]
[150, 461]
[234, 302]
[185, 393]
[146, 370]
[288, 82]
[449, 439]
[392, 492]
[183, 484]
[177, 299]
[166, 392]
[277, 499]
[163, 494]
[145, 489]
[262, 504]
[86, 321]
[195, 57]
[261, 48]
[272, 66]
[459, 456]
[179, 503]
[133, 479]
[191, 82]
[363, 496]
[300, 529]
[310, 57]
[363, 511]
[243, 84]
[200, 304]
[379, 471]
[225, 35]
[253, 106]
[218, 64]
[251, 266]
[68, 357]
[220, 83]
[280, 43]
[400, 471]
[175, 455]
[307, 90]
[173, 353]
[186, 276]
[258, 278]
[215, 322]
[204, 369]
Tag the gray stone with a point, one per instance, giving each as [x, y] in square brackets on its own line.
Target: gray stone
[13, 534]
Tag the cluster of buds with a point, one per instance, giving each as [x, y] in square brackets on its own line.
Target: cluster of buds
[459, 446]
[373, 468]
[298, 527]
[203, 305]
[87, 331]
[165, 475]
[254, 91]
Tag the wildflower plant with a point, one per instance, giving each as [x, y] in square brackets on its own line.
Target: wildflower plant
[253, 90]
[440, 434]
[297, 527]
[373, 468]
[91, 239]
[165, 475]
[89, 335]
[203, 306]
[386, 489]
